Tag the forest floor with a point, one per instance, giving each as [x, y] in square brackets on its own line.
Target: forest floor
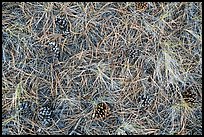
[97, 68]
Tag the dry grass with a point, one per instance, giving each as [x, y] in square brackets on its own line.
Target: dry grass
[140, 61]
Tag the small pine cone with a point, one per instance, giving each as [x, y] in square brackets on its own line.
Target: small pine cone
[189, 97]
[44, 115]
[134, 53]
[101, 111]
[141, 6]
[55, 49]
[45, 111]
[61, 22]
